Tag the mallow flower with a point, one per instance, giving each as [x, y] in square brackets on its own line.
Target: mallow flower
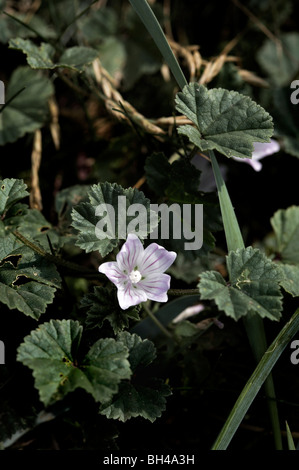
[138, 273]
[260, 151]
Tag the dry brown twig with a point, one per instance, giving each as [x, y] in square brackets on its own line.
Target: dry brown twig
[116, 104]
[35, 198]
[54, 124]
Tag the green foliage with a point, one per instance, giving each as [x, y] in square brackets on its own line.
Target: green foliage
[10, 27]
[51, 352]
[85, 219]
[254, 285]
[290, 282]
[42, 57]
[225, 120]
[137, 400]
[28, 280]
[99, 25]
[117, 363]
[179, 184]
[279, 59]
[285, 223]
[146, 399]
[102, 304]
[11, 191]
[28, 109]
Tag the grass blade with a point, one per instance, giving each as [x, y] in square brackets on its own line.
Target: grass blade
[151, 23]
[291, 445]
[234, 239]
[255, 382]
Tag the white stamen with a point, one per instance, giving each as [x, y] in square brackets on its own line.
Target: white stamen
[135, 276]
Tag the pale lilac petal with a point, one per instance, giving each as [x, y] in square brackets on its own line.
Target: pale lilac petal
[130, 296]
[139, 274]
[189, 312]
[260, 150]
[155, 287]
[130, 254]
[256, 165]
[112, 271]
[156, 260]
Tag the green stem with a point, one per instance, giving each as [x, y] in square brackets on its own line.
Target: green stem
[156, 321]
[76, 18]
[179, 292]
[12, 98]
[73, 267]
[26, 26]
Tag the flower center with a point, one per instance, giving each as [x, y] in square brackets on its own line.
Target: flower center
[135, 276]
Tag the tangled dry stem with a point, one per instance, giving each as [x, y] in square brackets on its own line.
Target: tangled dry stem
[200, 70]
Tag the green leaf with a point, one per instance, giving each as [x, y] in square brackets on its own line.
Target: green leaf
[69, 197]
[107, 237]
[23, 261]
[42, 57]
[31, 298]
[10, 28]
[113, 55]
[133, 401]
[52, 353]
[99, 25]
[225, 120]
[178, 183]
[290, 283]
[105, 366]
[13, 419]
[141, 352]
[28, 110]
[280, 59]
[254, 285]
[37, 57]
[140, 60]
[27, 280]
[285, 223]
[189, 270]
[78, 56]
[11, 191]
[138, 399]
[103, 305]
[157, 170]
[33, 226]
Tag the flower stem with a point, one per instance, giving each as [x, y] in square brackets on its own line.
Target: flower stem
[178, 292]
[68, 265]
[156, 321]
